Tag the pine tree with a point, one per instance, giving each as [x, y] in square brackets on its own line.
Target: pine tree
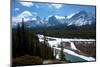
[62, 56]
[26, 42]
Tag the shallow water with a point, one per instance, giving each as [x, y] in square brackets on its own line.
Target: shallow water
[70, 55]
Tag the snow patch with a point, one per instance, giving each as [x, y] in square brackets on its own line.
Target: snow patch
[57, 41]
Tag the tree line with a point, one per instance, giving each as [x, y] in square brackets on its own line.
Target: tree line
[26, 42]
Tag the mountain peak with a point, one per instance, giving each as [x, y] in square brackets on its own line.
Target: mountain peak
[78, 19]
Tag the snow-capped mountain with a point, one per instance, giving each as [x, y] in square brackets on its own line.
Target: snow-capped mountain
[81, 18]
[78, 19]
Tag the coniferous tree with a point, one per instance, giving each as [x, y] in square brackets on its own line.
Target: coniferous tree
[24, 42]
[62, 56]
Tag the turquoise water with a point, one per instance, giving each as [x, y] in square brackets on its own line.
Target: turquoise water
[73, 58]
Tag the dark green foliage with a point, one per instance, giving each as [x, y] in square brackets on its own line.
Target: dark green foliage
[61, 55]
[86, 31]
[25, 42]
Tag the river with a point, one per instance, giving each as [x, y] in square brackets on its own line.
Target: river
[69, 54]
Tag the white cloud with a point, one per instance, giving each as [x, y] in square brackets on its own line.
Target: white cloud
[57, 6]
[26, 15]
[27, 4]
[17, 9]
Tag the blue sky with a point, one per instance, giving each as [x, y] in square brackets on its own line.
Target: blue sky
[29, 10]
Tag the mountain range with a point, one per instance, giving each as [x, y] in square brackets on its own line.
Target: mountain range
[78, 19]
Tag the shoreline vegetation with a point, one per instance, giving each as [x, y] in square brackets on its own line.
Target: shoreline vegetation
[84, 32]
[26, 45]
[28, 50]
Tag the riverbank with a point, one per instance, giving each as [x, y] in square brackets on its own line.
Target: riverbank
[72, 53]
